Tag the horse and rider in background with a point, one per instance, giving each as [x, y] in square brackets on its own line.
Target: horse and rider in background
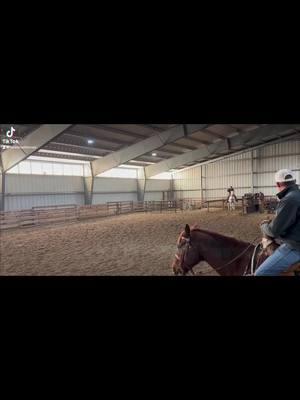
[231, 199]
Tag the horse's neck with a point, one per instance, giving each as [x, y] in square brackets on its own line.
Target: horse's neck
[218, 250]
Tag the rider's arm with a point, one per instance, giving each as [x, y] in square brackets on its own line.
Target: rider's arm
[285, 218]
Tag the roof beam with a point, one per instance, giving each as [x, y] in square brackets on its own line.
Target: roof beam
[197, 141]
[97, 139]
[119, 130]
[70, 156]
[265, 134]
[31, 143]
[142, 137]
[217, 135]
[73, 148]
[144, 146]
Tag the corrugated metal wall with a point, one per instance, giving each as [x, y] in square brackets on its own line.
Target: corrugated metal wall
[157, 185]
[27, 191]
[114, 189]
[187, 184]
[41, 184]
[153, 196]
[237, 171]
[21, 202]
[155, 189]
[117, 185]
[105, 198]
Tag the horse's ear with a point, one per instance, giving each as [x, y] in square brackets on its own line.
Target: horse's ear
[187, 230]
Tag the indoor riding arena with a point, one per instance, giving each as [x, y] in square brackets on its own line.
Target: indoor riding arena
[113, 199]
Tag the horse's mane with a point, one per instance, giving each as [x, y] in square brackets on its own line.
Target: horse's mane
[219, 236]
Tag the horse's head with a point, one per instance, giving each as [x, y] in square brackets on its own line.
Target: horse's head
[187, 255]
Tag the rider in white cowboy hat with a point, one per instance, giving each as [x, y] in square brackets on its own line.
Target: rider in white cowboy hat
[285, 226]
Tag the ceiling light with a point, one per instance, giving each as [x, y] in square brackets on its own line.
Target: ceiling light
[90, 141]
[154, 154]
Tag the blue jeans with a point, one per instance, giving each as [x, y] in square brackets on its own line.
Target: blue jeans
[279, 261]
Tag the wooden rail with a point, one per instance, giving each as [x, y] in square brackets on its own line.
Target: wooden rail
[44, 215]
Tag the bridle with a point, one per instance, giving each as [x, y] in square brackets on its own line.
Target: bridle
[181, 258]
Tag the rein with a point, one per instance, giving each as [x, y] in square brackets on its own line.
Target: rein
[237, 257]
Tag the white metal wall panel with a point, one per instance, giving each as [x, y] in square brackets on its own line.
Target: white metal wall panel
[15, 203]
[115, 185]
[224, 181]
[40, 183]
[267, 191]
[153, 196]
[235, 171]
[229, 167]
[279, 162]
[105, 198]
[214, 194]
[189, 179]
[187, 194]
[267, 179]
[154, 185]
[290, 147]
[162, 176]
[297, 174]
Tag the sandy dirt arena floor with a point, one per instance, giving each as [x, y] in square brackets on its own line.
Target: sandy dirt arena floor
[135, 244]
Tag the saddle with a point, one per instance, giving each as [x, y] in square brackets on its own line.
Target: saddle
[267, 248]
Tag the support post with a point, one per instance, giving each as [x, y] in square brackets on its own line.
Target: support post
[201, 183]
[88, 190]
[141, 184]
[2, 190]
[88, 182]
[252, 173]
[172, 193]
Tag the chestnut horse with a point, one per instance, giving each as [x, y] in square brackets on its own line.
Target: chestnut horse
[226, 255]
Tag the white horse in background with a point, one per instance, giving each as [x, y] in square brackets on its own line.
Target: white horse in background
[231, 202]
